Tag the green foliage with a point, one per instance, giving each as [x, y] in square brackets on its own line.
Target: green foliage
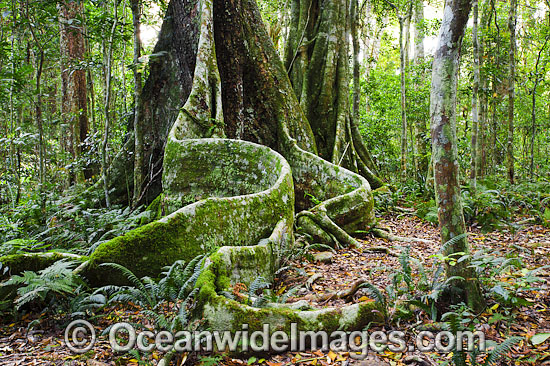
[494, 206]
[70, 222]
[462, 319]
[210, 360]
[20, 246]
[51, 287]
[176, 286]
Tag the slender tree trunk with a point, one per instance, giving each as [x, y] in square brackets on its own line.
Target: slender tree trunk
[107, 107]
[356, 66]
[365, 153]
[445, 151]
[138, 133]
[420, 123]
[39, 60]
[512, 20]
[475, 92]
[481, 153]
[403, 86]
[533, 110]
[13, 148]
[74, 86]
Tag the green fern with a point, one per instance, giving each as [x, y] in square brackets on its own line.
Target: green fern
[55, 283]
[259, 284]
[452, 242]
[500, 351]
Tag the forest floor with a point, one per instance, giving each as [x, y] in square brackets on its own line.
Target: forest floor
[39, 340]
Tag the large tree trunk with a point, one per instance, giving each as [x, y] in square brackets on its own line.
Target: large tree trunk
[235, 197]
[164, 93]
[168, 87]
[444, 148]
[317, 61]
[74, 108]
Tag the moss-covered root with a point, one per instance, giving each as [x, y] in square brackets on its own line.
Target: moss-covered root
[243, 264]
[223, 314]
[323, 222]
[19, 263]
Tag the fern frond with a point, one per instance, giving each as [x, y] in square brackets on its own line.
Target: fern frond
[501, 350]
[452, 242]
[375, 293]
[130, 276]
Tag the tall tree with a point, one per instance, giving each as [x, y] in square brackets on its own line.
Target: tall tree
[355, 25]
[317, 61]
[445, 151]
[475, 93]
[403, 12]
[512, 20]
[38, 55]
[537, 77]
[107, 105]
[422, 160]
[74, 86]
[138, 133]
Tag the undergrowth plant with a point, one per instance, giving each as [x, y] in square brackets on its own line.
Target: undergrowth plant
[487, 354]
[52, 287]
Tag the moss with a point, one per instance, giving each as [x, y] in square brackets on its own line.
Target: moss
[212, 222]
[155, 210]
[19, 263]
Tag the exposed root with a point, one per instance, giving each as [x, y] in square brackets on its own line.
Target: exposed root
[528, 221]
[344, 294]
[382, 233]
[381, 249]
[312, 280]
[326, 224]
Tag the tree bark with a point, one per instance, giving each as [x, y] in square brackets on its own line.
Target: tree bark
[445, 151]
[317, 61]
[74, 87]
[138, 133]
[164, 93]
[107, 107]
[403, 86]
[361, 148]
[420, 124]
[475, 92]
[512, 20]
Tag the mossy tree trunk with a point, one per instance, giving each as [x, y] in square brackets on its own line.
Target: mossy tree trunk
[445, 151]
[240, 89]
[317, 62]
